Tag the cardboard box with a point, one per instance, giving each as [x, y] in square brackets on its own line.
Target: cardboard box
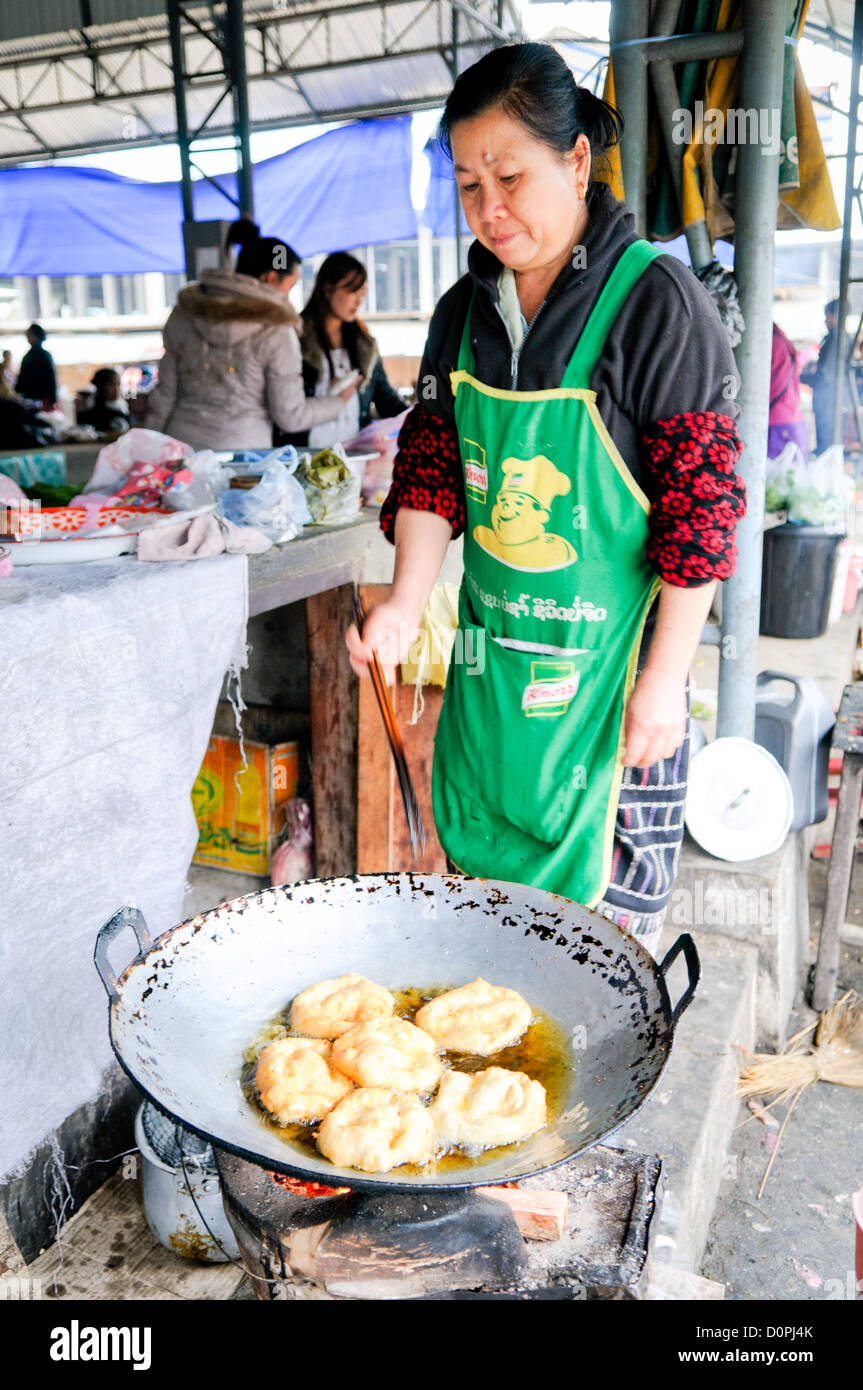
[241, 811]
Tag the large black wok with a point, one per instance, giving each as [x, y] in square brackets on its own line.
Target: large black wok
[183, 1013]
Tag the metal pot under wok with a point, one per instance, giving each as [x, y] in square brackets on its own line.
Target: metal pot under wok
[183, 1013]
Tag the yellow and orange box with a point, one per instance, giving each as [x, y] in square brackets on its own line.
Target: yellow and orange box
[240, 811]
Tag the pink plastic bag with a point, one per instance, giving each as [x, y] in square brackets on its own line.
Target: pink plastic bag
[133, 448]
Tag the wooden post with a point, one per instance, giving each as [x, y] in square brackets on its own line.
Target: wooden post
[383, 840]
[333, 699]
[838, 879]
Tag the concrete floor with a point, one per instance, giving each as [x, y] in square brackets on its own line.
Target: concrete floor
[797, 1242]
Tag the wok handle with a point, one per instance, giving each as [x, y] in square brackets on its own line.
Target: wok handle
[685, 944]
[125, 917]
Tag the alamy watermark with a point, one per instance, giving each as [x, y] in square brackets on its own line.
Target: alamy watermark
[739, 125]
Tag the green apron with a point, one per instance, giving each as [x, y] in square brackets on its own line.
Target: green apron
[528, 753]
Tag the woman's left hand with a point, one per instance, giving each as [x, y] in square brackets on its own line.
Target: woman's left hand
[655, 721]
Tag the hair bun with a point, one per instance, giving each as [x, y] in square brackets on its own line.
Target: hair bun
[243, 232]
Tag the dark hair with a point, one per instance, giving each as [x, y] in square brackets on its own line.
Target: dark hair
[38, 331]
[102, 379]
[531, 83]
[341, 268]
[260, 254]
[832, 307]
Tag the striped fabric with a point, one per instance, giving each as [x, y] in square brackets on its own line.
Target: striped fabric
[647, 840]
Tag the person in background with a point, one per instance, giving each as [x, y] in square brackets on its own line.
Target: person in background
[36, 379]
[231, 369]
[821, 376]
[786, 422]
[336, 345]
[7, 371]
[108, 413]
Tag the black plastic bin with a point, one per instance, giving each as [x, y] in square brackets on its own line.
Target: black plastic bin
[799, 567]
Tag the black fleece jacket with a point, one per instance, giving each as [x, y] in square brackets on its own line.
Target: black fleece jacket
[667, 354]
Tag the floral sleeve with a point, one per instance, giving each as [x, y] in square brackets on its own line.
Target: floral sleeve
[427, 474]
[697, 497]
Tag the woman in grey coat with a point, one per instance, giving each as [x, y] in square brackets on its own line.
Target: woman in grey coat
[232, 367]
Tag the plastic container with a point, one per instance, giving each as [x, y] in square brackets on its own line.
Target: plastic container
[169, 1207]
[794, 722]
[797, 580]
[852, 583]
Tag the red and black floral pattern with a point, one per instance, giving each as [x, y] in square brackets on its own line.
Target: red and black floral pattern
[697, 497]
[427, 473]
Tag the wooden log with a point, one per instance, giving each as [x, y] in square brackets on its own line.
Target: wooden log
[333, 700]
[539, 1215]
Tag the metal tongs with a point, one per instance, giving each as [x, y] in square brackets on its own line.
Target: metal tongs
[416, 829]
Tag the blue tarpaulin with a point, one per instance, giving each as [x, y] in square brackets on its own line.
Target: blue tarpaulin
[349, 187]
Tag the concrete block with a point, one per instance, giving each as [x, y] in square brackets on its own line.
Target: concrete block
[764, 902]
[690, 1117]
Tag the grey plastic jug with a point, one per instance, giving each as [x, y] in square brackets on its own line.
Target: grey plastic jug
[796, 726]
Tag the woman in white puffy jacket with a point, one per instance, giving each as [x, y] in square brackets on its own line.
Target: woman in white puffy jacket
[232, 367]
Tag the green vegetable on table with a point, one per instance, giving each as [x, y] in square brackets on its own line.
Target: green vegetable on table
[326, 469]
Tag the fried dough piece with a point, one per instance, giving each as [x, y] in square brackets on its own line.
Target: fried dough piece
[478, 1017]
[297, 1081]
[376, 1129]
[331, 1007]
[482, 1109]
[388, 1052]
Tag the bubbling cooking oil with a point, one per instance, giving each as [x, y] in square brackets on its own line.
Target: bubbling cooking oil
[543, 1053]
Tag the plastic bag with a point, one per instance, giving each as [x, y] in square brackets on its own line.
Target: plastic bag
[134, 447]
[381, 438]
[331, 486]
[276, 505]
[428, 659]
[819, 493]
[781, 475]
[197, 485]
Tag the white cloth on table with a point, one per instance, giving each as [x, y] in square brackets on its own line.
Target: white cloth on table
[109, 676]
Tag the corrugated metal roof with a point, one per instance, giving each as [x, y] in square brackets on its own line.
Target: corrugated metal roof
[307, 61]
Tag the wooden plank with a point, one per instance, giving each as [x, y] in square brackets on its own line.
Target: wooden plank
[838, 880]
[376, 783]
[383, 841]
[539, 1215]
[333, 700]
[107, 1251]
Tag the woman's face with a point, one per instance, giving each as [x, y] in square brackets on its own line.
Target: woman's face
[520, 198]
[345, 302]
[285, 283]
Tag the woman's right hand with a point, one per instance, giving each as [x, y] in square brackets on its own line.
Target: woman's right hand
[389, 631]
[351, 389]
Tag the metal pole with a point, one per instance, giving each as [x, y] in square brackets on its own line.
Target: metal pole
[179, 77]
[847, 216]
[458, 255]
[235, 33]
[630, 20]
[756, 196]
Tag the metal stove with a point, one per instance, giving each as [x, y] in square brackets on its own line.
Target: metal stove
[343, 1244]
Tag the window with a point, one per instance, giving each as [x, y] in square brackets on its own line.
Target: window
[58, 297]
[94, 296]
[397, 278]
[130, 294]
[173, 285]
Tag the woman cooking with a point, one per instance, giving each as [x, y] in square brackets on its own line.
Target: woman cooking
[576, 397]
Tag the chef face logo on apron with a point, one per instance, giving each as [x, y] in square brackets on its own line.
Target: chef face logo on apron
[521, 513]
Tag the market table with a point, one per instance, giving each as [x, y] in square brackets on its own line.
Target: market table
[111, 671]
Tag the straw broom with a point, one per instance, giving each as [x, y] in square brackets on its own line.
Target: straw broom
[837, 1056]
